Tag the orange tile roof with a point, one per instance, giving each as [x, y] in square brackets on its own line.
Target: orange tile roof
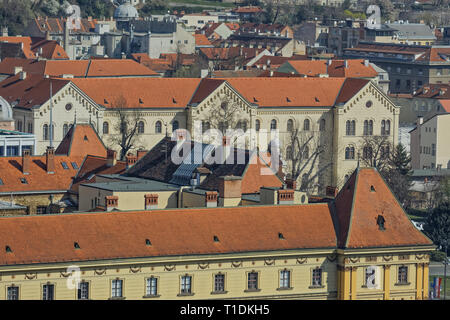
[153, 92]
[445, 104]
[26, 45]
[38, 179]
[80, 140]
[357, 210]
[229, 53]
[56, 25]
[171, 232]
[350, 88]
[34, 90]
[254, 178]
[248, 9]
[286, 92]
[355, 69]
[201, 40]
[94, 165]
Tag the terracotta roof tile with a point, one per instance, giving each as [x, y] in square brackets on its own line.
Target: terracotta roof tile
[80, 140]
[370, 198]
[241, 229]
[350, 88]
[356, 68]
[201, 40]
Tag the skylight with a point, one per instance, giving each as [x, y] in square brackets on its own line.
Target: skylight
[64, 165]
[74, 165]
[23, 180]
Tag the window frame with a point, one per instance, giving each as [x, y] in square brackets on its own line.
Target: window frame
[7, 292]
[257, 288]
[314, 285]
[182, 283]
[148, 294]
[402, 281]
[214, 283]
[122, 286]
[281, 285]
[53, 292]
[80, 290]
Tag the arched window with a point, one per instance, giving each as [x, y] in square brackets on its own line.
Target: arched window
[105, 127]
[350, 153]
[383, 127]
[273, 124]
[367, 153]
[45, 132]
[158, 127]
[175, 125]
[348, 128]
[388, 127]
[366, 127]
[322, 125]
[65, 129]
[306, 153]
[289, 153]
[244, 126]
[141, 127]
[257, 125]
[353, 127]
[370, 127]
[290, 125]
[306, 125]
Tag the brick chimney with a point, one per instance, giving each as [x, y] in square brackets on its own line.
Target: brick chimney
[331, 191]
[26, 161]
[211, 199]
[141, 153]
[131, 160]
[230, 192]
[50, 160]
[111, 202]
[111, 158]
[151, 201]
[291, 184]
[285, 196]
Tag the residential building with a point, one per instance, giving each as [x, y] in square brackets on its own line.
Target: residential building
[247, 13]
[196, 21]
[311, 251]
[31, 48]
[41, 182]
[425, 187]
[13, 143]
[217, 31]
[260, 29]
[6, 115]
[429, 146]
[344, 35]
[409, 67]
[412, 33]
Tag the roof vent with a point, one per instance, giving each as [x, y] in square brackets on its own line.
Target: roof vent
[287, 99]
[216, 239]
[86, 138]
[76, 245]
[105, 101]
[380, 222]
[173, 100]
[372, 189]
[317, 99]
[8, 249]
[147, 242]
[280, 236]
[141, 101]
[255, 100]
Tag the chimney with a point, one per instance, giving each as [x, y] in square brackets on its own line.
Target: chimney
[26, 161]
[285, 196]
[211, 199]
[50, 160]
[291, 184]
[230, 191]
[151, 201]
[366, 63]
[346, 63]
[131, 160]
[111, 202]
[331, 191]
[47, 35]
[17, 70]
[111, 158]
[419, 121]
[141, 153]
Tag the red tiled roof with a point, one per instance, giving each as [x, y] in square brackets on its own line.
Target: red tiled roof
[201, 40]
[153, 92]
[80, 140]
[94, 165]
[358, 207]
[33, 90]
[356, 68]
[56, 25]
[254, 178]
[26, 41]
[249, 9]
[434, 90]
[229, 53]
[276, 61]
[350, 88]
[445, 104]
[241, 229]
[34, 47]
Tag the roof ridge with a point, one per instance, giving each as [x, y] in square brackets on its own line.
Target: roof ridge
[349, 229]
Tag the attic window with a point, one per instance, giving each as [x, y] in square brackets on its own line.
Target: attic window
[23, 180]
[372, 189]
[76, 245]
[287, 99]
[173, 100]
[317, 99]
[380, 222]
[105, 101]
[255, 100]
[8, 249]
[74, 165]
[141, 101]
[86, 138]
[280, 236]
[216, 239]
[147, 242]
[64, 165]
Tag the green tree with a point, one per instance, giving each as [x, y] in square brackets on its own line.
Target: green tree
[154, 7]
[400, 160]
[15, 15]
[437, 226]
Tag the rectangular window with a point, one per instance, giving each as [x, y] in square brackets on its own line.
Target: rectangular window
[219, 283]
[403, 274]
[83, 291]
[317, 277]
[252, 283]
[152, 286]
[116, 289]
[186, 285]
[48, 291]
[433, 149]
[285, 279]
[369, 279]
[13, 293]
[41, 210]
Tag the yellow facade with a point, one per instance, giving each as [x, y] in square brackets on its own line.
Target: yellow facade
[342, 276]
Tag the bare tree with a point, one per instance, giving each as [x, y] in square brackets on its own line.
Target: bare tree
[305, 152]
[227, 114]
[376, 151]
[127, 127]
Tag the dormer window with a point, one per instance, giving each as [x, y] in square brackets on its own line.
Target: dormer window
[23, 180]
[372, 189]
[380, 222]
[147, 242]
[8, 249]
[280, 236]
[216, 239]
[76, 245]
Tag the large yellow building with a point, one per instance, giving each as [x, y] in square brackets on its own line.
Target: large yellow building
[360, 246]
